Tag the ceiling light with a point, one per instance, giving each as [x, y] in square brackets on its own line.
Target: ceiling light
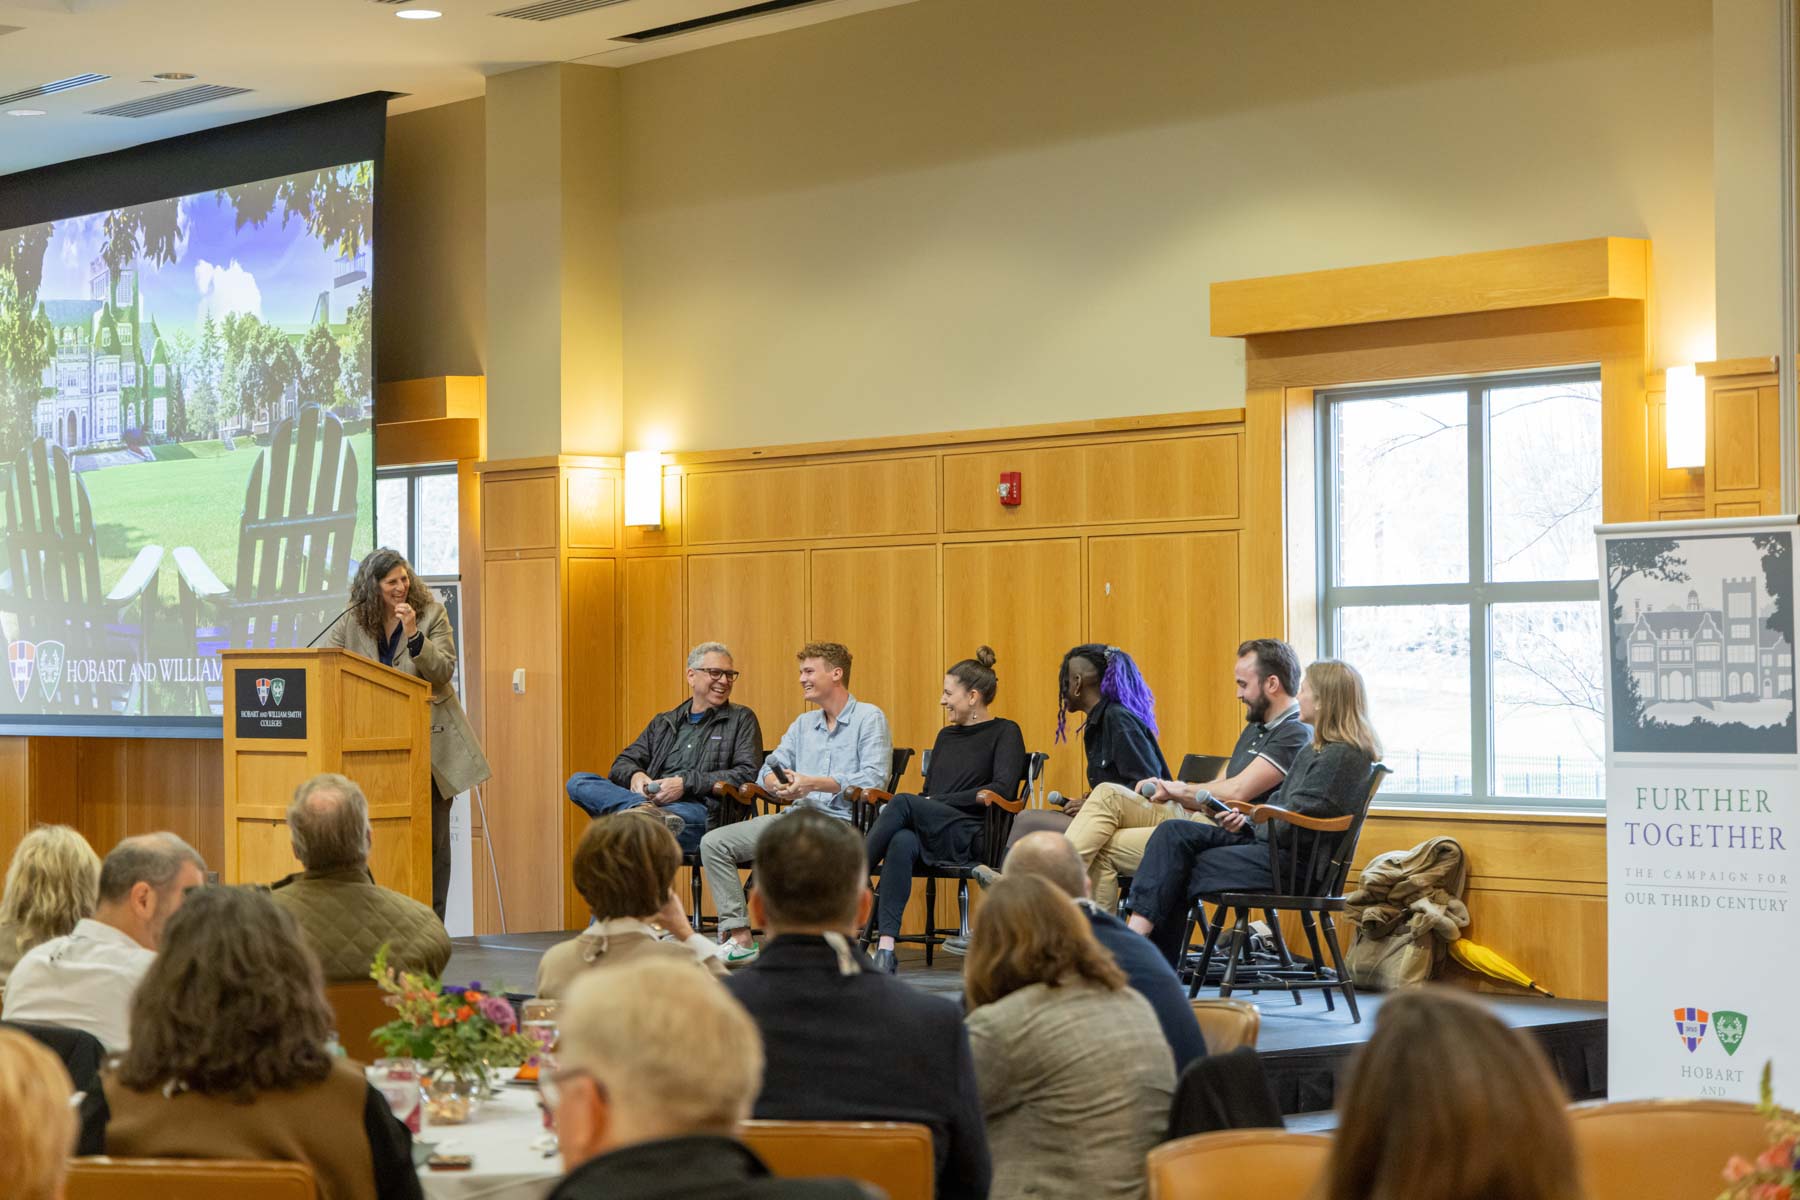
[172, 76]
[24, 112]
[418, 14]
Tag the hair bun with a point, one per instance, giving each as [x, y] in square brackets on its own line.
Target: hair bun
[986, 657]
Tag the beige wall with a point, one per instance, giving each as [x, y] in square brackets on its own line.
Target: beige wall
[964, 213]
[1747, 175]
[432, 259]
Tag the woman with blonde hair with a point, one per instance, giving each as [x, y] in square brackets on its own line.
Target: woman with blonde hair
[1074, 1073]
[1184, 860]
[37, 1126]
[1445, 1103]
[53, 882]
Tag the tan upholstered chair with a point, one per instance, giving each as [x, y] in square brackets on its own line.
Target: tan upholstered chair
[1227, 1024]
[187, 1178]
[896, 1158]
[1268, 1164]
[1638, 1148]
[360, 1008]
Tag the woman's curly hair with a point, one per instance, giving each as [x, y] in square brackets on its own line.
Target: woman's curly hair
[365, 591]
[233, 1005]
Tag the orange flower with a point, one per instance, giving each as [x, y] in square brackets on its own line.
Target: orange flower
[440, 1021]
[472, 997]
[464, 1013]
[1737, 1168]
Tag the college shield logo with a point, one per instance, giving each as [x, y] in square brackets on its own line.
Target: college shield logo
[262, 691]
[277, 686]
[1690, 1026]
[19, 657]
[49, 669]
[1729, 1026]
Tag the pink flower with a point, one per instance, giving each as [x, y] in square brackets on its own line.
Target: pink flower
[498, 1010]
[1737, 1168]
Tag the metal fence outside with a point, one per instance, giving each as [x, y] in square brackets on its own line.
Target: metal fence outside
[1537, 775]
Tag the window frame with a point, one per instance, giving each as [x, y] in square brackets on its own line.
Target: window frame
[412, 473]
[1477, 594]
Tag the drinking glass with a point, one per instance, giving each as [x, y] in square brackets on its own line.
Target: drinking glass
[397, 1079]
[538, 1022]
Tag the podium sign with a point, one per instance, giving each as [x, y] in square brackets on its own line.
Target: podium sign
[270, 706]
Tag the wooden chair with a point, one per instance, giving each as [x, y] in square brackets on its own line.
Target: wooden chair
[1227, 1024]
[360, 1008]
[187, 1179]
[50, 582]
[293, 558]
[1268, 1164]
[997, 819]
[1636, 1148]
[1309, 875]
[895, 1157]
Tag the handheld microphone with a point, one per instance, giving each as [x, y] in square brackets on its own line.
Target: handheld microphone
[1147, 789]
[651, 788]
[1056, 799]
[327, 628]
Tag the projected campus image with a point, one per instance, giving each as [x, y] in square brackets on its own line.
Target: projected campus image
[185, 450]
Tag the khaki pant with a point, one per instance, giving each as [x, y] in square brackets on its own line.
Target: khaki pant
[1110, 833]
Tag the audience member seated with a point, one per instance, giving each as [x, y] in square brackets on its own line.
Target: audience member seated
[845, 744]
[944, 826]
[1447, 1103]
[625, 868]
[656, 1069]
[37, 1126]
[53, 882]
[84, 979]
[1330, 778]
[1075, 1073]
[1052, 857]
[1113, 826]
[843, 1041]
[228, 1059]
[706, 739]
[343, 914]
[1118, 729]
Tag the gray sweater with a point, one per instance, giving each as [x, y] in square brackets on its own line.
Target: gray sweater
[1075, 1081]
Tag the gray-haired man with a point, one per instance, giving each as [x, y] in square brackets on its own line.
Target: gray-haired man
[703, 740]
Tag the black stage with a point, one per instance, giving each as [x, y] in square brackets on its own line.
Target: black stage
[1304, 1048]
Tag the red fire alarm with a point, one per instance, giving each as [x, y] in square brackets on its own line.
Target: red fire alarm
[1011, 493]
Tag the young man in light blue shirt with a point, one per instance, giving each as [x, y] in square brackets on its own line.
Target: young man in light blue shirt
[844, 744]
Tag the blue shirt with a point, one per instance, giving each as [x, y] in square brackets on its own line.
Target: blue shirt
[1153, 979]
[859, 752]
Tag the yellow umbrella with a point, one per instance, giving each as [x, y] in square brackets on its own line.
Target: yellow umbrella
[1481, 959]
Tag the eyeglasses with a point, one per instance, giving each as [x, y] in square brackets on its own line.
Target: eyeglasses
[550, 1085]
[719, 673]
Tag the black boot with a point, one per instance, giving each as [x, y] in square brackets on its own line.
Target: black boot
[886, 963]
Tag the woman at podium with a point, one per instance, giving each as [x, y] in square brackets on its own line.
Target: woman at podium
[394, 619]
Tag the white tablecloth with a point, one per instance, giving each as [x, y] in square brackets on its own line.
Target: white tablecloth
[499, 1139]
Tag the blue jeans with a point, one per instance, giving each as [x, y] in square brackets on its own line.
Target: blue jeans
[596, 795]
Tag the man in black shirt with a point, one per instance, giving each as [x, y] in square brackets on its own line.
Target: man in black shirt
[683, 752]
[1115, 824]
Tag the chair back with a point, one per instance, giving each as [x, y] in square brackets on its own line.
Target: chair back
[1306, 863]
[187, 1179]
[997, 823]
[80, 1051]
[360, 1008]
[1636, 1148]
[1201, 768]
[1269, 1164]
[895, 1157]
[902, 756]
[1227, 1024]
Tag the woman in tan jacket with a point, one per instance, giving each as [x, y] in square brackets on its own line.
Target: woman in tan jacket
[625, 868]
[395, 620]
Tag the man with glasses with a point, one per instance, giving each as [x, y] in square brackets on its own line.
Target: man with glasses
[681, 754]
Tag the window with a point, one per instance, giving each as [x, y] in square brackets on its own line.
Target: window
[1740, 654]
[416, 513]
[1460, 579]
[159, 374]
[1709, 652]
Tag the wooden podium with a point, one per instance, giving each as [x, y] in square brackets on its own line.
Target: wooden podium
[291, 714]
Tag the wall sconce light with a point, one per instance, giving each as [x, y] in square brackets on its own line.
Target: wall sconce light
[1684, 418]
[643, 488]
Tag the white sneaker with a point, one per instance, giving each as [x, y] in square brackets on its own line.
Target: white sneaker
[737, 954]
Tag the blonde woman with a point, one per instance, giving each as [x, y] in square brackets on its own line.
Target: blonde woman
[1329, 778]
[37, 1126]
[53, 882]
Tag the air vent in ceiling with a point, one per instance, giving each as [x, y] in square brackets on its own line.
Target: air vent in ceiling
[6, 29]
[50, 89]
[554, 10]
[390, 3]
[736, 14]
[150, 106]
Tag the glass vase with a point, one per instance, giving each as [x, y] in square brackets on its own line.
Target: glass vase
[453, 1094]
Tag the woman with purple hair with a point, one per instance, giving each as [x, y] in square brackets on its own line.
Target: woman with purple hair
[1119, 730]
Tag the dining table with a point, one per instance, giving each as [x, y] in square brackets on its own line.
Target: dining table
[506, 1140]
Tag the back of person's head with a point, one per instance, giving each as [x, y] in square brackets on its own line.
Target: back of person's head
[668, 1051]
[53, 882]
[37, 1126]
[1341, 707]
[1274, 659]
[977, 674]
[1445, 1103]
[625, 864]
[328, 823]
[812, 872]
[1027, 932]
[152, 859]
[1049, 855]
[234, 1003]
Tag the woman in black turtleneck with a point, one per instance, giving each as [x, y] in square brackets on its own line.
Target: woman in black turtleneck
[943, 827]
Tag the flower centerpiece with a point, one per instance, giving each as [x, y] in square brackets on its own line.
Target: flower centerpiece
[1775, 1174]
[459, 1034]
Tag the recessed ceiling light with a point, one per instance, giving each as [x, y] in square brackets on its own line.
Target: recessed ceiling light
[173, 75]
[24, 112]
[418, 14]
